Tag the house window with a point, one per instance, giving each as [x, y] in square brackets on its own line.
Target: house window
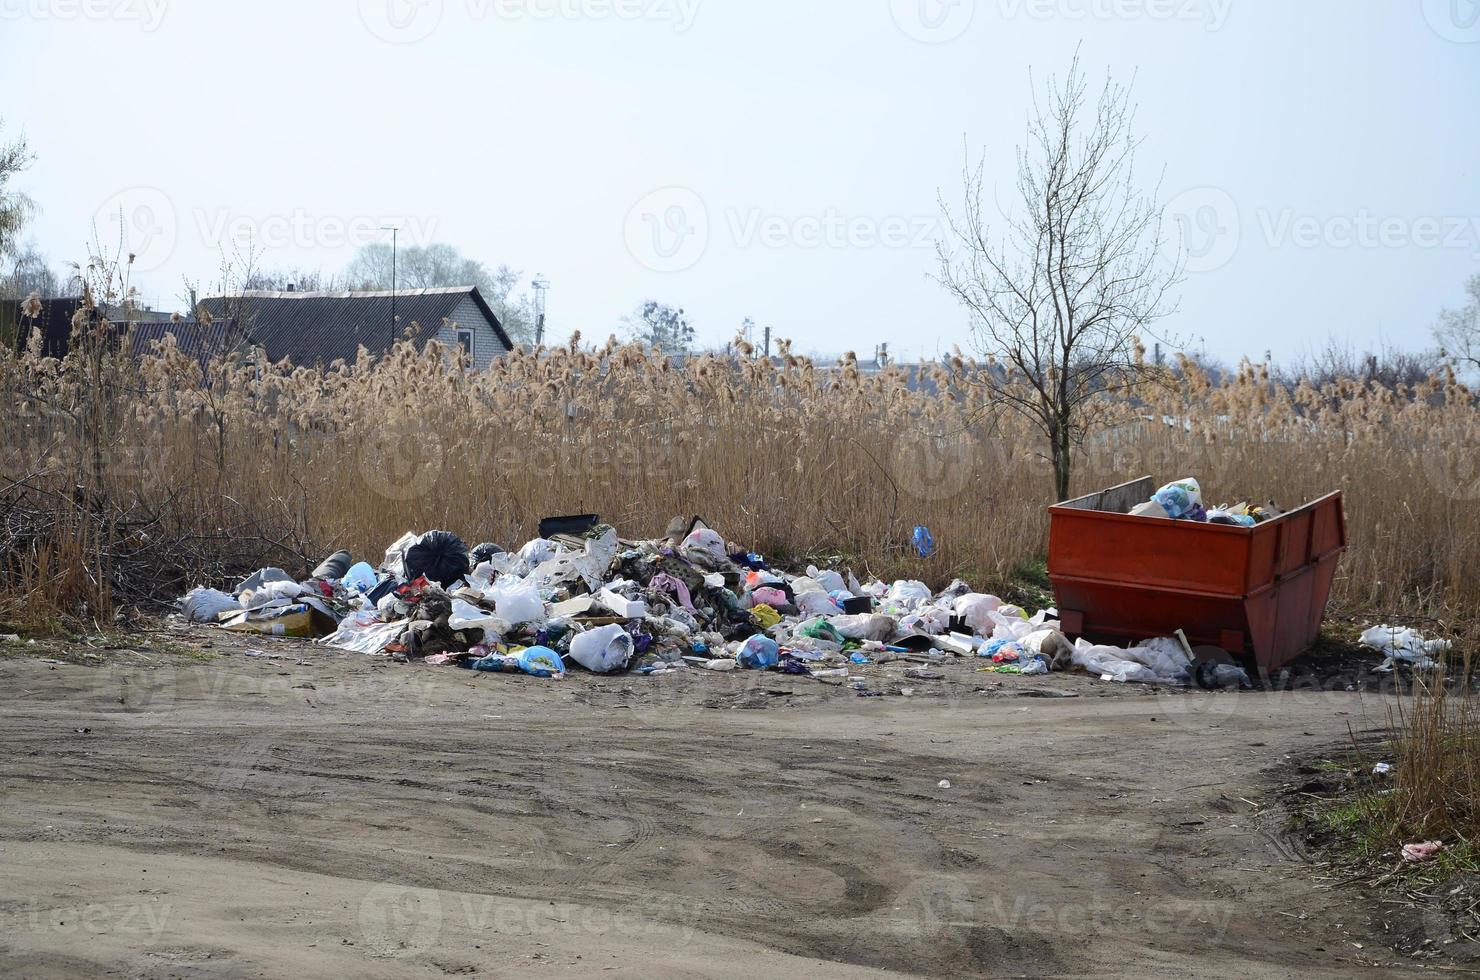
[465, 341]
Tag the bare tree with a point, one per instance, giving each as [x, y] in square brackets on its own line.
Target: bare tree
[1458, 332]
[1060, 296]
[432, 266]
[15, 208]
[31, 273]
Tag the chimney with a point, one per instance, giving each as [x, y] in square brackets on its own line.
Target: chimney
[292, 287]
[194, 305]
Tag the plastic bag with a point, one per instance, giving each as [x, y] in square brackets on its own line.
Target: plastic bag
[394, 562]
[977, 609]
[207, 605]
[1179, 499]
[466, 616]
[818, 604]
[863, 627]
[759, 653]
[441, 556]
[361, 578]
[704, 541]
[540, 662]
[516, 602]
[265, 576]
[603, 650]
[830, 581]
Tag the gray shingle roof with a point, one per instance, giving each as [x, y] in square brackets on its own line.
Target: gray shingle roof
[313, 328]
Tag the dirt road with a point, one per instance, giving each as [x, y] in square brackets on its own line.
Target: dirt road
[315, 814]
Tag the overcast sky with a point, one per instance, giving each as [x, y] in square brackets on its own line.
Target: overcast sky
[778, 159]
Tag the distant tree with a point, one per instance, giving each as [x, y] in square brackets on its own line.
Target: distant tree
[660, 326]
[15, 208]
[1060, 299]
[1339, 361]
[283, 280]
[438, 265]
[30, 273]
[1458, 332]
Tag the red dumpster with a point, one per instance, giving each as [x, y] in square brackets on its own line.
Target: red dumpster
[1257, 592]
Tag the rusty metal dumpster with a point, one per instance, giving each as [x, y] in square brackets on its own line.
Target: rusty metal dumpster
[1259, 593]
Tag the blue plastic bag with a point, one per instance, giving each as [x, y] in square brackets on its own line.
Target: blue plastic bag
[759, 653]
[924, 542]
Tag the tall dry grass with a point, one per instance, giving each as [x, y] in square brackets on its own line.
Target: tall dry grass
[249, 460]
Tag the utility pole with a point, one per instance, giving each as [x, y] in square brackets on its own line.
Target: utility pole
[395, 234]
[768, 343]
[541, 286]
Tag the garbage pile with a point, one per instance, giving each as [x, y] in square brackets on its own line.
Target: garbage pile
[583, 598]
[1182, 500]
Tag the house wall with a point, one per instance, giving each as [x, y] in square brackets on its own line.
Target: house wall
[486, 345]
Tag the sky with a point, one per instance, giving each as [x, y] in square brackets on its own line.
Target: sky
[771, 159]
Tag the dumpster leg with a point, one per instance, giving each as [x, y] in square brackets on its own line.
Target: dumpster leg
[1072, 621]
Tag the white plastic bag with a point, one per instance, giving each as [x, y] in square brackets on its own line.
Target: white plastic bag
[207, 605]
[516, 602]
[977, 608]
[865, 627]
[603, 650]
[466, 616]
[395, 556]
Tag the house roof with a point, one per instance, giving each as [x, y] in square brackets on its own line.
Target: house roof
[309, 328]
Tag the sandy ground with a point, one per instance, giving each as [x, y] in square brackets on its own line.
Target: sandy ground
[315, 814]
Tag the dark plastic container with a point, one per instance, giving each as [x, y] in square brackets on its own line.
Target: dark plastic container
[1259, 593]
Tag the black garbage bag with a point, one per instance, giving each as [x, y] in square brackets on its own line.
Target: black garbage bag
[485, 552]
[439, 555]
[334, 566]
